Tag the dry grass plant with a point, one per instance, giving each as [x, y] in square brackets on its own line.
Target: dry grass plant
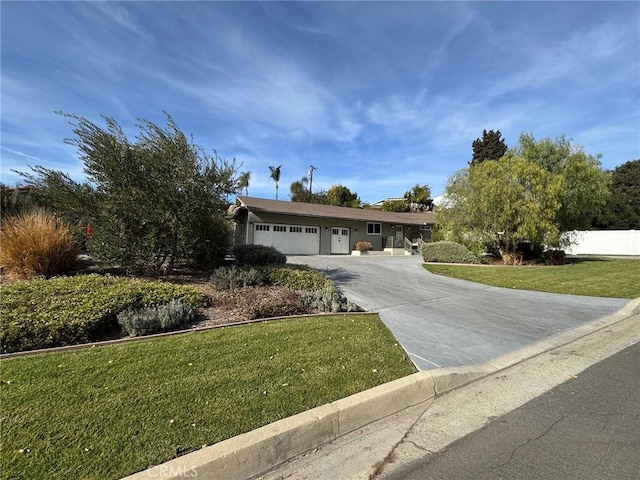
[36, 243]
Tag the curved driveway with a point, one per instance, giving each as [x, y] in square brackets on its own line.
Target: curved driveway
[444, 322]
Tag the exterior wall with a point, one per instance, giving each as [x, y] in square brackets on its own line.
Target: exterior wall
[358, 229]
[604, 242]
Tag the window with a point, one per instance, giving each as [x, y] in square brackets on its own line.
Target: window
[279, 228]
[295, 229]
[311, 230]
[425, 228]
[335, 231]
[374, 228]
[345, 232]
[262, 227]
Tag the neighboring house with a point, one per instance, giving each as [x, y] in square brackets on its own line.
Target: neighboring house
[296, 228]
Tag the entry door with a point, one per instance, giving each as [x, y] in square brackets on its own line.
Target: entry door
[339, 240]
[399, 232]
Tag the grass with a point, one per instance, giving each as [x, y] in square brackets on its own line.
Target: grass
[592, 277]
[108, 412]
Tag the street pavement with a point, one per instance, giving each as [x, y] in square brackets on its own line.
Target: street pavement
[444, 322]
[586, 428]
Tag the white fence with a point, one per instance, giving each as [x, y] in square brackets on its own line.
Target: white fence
[604, 242]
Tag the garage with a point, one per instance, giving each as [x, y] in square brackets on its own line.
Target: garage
[288, 239]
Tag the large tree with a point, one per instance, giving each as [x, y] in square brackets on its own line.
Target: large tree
[299, 192]
[490, 147]
[622, 209]
[151, 202]
[502, 203]
[585, 184]
[275, 176]
[341, 196]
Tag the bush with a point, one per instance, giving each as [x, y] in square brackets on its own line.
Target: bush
[554, 257]
[258, 255]
[69, 310]
[156, 319]
[447, 252]
[328, 299]
[296, 277]
[264, 302]
[363, 246]
[36, 243]
[230, 278]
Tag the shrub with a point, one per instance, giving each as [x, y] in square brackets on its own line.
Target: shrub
[258, 255]
[447, 252]
[255, 303]
[230, 278]
[364, 246]
[68, 310]
[156, 319]
[554, 257]
[296, 277]
[328, 299]
[36, 243]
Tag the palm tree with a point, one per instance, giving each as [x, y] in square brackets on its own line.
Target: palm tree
[275, 175]
[243, 182]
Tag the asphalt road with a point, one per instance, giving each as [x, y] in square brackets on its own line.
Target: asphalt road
[443, 322]
[586, 428]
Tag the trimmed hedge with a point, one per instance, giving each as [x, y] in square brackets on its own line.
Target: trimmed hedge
[296, 277]
[69, 310]
[447, 252]
[258, 255]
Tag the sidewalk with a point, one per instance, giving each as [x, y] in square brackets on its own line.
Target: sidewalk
[370, 434]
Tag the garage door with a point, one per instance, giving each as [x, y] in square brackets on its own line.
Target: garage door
[288, 239]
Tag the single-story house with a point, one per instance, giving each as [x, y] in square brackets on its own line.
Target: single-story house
[296, 228]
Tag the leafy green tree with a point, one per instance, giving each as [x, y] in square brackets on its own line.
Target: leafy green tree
[150, 203]
[341, 196]
[503, 203]
[622, 209]
[299, 192]
[275, 176]
[490, 147]
[396, 205]
[585, 184]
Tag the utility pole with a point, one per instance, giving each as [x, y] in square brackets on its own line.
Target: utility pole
[311, 169]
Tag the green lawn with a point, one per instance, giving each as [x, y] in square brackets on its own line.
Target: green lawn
[110, 411]
[593, 277]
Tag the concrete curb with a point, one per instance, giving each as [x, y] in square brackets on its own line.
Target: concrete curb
[254, 453]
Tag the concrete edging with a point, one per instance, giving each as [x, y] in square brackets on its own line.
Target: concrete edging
[255, 452]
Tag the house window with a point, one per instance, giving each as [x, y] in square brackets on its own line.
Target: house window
[374, 228]
[279, 228]
[295, 229]
[425, 228]
[311, 230]
[262, 227]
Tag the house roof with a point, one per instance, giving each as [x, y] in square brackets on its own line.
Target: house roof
[330, 211]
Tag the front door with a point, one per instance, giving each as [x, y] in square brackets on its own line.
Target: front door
[339, 240]
[399, 241]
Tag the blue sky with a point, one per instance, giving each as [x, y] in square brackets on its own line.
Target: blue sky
[378, 96]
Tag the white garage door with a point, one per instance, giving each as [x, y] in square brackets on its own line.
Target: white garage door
[288, 239]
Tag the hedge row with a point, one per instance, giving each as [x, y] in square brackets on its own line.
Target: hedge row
[447, 252]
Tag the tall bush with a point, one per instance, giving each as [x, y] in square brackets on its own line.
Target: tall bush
[36, 243]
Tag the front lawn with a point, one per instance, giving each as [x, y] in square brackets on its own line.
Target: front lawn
[110, 411]
[592, 277]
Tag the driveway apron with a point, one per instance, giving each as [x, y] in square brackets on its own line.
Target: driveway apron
[445, 322]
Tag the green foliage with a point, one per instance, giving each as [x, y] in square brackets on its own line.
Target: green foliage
[585, 185]
[328, 299]
[243, 182]
[295, 277]
[299, 192]
[36, 243]
[364, 246]
[68, 310]
[419, 194]
[341, 196]
[490, 147]
[151, 203]
[504, 203]
[447, 252]
[258, 255]
[156, 318]
[275, 176]
[622, 209]
[233, 277]
[396, 206]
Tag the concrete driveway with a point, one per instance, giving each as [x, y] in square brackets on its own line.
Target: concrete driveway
[444, 322]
